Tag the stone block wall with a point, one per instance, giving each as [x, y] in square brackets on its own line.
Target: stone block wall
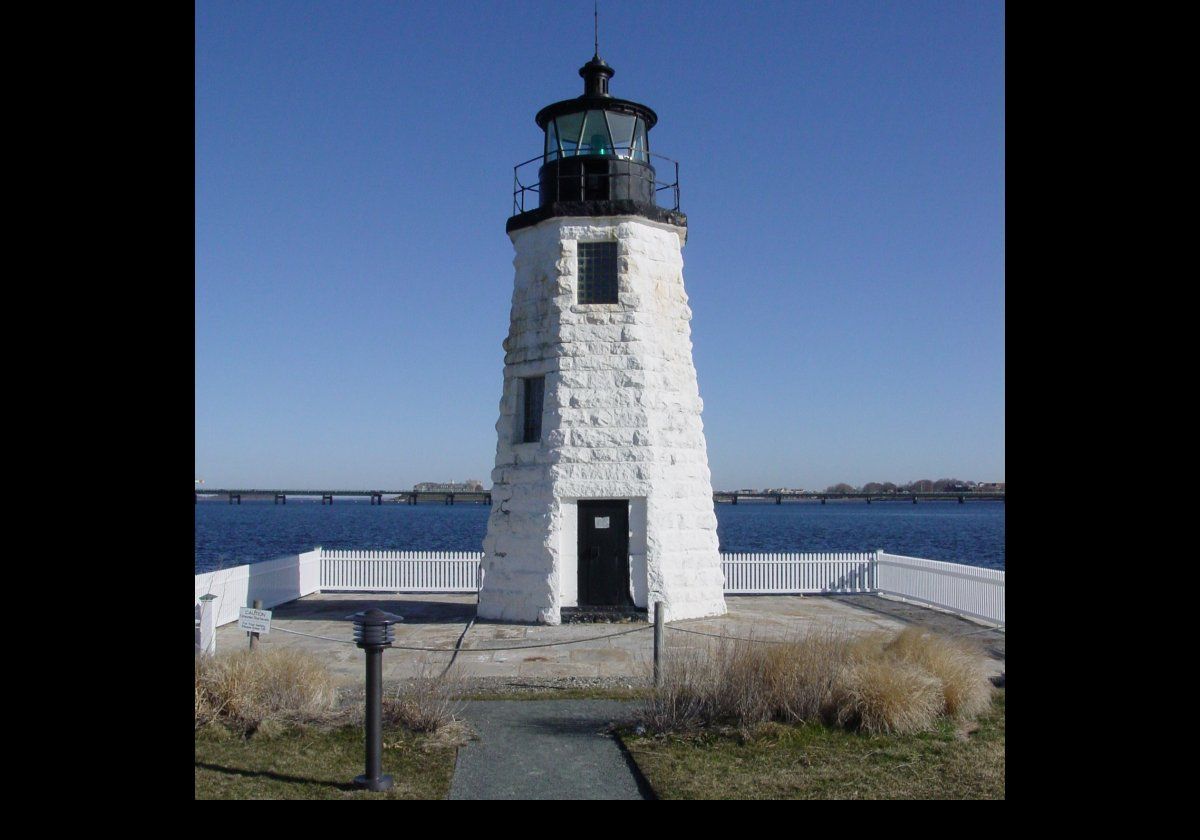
[621, 420]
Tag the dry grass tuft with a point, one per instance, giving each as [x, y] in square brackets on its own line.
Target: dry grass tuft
[679, 704]
[427, 703]
[245, 689]
[966, 690]
[872, 682]
[886, 695]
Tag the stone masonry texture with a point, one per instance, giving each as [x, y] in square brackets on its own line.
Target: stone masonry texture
[621, 420]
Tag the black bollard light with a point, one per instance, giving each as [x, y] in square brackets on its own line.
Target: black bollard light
[373, 632]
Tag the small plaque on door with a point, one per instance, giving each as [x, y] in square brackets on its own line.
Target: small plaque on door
[601, 521]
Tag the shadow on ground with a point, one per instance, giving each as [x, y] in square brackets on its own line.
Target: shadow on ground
[279, 777]
[413, 612]
[989, 640]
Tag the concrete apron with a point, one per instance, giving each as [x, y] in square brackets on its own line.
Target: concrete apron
[437, 621]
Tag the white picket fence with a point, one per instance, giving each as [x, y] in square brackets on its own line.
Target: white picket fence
[968, 590]
[797, 574]
[400, 571]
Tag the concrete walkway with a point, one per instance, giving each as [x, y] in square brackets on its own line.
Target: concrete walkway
[545, 749]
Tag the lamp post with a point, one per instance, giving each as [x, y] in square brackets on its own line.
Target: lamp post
[373, 632]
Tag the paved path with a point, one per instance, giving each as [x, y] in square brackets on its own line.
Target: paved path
[544, 749]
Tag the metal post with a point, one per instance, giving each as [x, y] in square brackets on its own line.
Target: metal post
[252, 634]
[658, 643]
[373, 778]
[373, 632]
[208, 624]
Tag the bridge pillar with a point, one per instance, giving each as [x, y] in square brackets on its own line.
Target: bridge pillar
[326, 498]
[487, 497]
[778, 499]
[960, 500]
[377, 498]
[735, 498]
[449, 498]
[822, 500]
[237, 496]
[868, 500]
[280, 499]
[914, 500]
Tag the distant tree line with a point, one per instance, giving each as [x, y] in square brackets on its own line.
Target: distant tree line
[942, 485]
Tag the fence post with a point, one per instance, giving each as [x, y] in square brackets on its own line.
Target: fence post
[875, 570]
[658, 643]
[208, 624]
[252, 634]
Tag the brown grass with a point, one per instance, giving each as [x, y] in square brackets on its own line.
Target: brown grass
[887, 695]
[871, 682]
[427, 703]
[966, 691]
[245, 689]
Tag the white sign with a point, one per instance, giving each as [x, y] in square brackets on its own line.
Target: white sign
[256, 621]
[601, 521]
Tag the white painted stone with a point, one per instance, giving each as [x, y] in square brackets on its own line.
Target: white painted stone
[621, 420]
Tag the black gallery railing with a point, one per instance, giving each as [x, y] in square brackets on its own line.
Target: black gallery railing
[590, 177]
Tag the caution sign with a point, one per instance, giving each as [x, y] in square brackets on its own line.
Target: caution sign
[254, 621]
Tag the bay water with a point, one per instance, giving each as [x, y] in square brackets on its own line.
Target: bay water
[258, 530]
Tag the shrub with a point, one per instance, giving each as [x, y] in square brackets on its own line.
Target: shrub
[246, 688]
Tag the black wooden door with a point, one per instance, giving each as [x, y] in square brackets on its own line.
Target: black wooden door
[604, 553]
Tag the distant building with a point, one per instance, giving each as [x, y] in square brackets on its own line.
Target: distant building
[471, 485]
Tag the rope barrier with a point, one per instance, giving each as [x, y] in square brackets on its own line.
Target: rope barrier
[730, 638]
[785, 641]
[457, 649]
[475, 650]
[311, 636]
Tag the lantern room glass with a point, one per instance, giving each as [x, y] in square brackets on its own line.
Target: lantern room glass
[597, 132]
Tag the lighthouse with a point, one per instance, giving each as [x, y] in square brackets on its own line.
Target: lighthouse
[602, 501]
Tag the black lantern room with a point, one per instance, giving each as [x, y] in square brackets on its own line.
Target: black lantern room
[596, 159]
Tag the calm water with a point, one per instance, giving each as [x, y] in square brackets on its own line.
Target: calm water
[229, 535]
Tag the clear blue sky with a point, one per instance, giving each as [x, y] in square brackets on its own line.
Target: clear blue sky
[842, 170]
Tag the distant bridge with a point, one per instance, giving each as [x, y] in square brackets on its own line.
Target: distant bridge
[732, 497]
[412, 497]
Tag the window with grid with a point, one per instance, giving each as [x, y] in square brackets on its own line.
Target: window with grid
[535, 389]
[597, 272]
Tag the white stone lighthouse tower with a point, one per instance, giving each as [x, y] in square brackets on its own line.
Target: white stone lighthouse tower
[602, 498]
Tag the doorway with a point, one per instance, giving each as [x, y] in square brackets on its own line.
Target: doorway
[604, 553]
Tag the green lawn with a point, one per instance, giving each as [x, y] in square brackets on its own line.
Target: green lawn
[817, 762]
[319, 763]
